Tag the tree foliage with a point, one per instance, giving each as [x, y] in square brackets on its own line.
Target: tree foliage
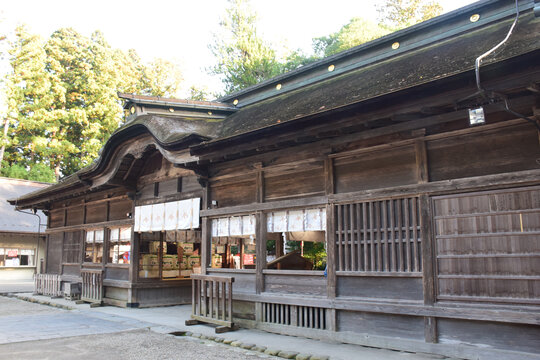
[62, 97]
[38, 172]
[356, 32]
[399, 14]
[243, 57]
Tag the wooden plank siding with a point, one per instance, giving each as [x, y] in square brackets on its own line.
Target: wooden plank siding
[487, 246]
[377, 169]
[242, 191]
[477, 154]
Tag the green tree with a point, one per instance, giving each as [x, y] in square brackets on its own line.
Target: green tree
[161, 78]
[28, 97]
[199, 93]
[356, 32]
[399, 14]
[62, 96]
[14, 171]
[243, 57]
[41, 172]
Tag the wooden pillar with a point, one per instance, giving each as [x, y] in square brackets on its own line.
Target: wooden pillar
[330, 252]
[330, 232]
[428, 266]
[206, 243]
[279, 248]
[260, 248]
[206, 231]
[134, 258]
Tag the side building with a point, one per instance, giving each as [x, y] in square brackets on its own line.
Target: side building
[386, 196]
[22, 233]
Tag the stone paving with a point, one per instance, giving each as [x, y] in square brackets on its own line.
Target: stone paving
[25, 325]
[20, 321]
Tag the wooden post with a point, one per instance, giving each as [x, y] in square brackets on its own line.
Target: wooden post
[331, 252]
[428, 279]
[206, 243]
[134, 258]
[260, 248]
[206, 231]
[329, 176]
[422, 174]
[259, 186]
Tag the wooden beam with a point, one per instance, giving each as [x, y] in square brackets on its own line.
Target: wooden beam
[274, 205]
[485, 182]
[87, 226]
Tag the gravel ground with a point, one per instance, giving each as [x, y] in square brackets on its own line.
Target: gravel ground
[12, 306]
[132, 345]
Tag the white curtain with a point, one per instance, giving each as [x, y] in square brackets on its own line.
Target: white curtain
[176, 215]
[297, 220]
[234, 226]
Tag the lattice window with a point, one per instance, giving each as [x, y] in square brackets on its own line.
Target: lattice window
[72, 247]
[295, 315]
[378, 236]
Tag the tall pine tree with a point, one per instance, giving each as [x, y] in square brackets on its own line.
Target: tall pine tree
[243, 57]
[62, 97]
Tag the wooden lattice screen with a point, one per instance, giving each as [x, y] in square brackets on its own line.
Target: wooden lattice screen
[92, 285]
[212, 301]
[295, 315]
[378, 236]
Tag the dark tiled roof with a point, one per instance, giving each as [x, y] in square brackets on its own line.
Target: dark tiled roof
[454, 56]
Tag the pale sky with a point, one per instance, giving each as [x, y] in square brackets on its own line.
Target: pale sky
[181, 30]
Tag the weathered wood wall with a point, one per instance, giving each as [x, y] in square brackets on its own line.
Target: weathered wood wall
[404, 232]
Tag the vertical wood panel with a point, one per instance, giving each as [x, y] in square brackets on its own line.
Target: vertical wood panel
[353, 238]
[366, 245]
[415, 235]
[372, 236]
[340, 237]
[346, 238]
[392, 237]
[384, 236]
[400, 235]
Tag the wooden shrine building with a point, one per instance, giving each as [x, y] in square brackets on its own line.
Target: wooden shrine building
[388, 195]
